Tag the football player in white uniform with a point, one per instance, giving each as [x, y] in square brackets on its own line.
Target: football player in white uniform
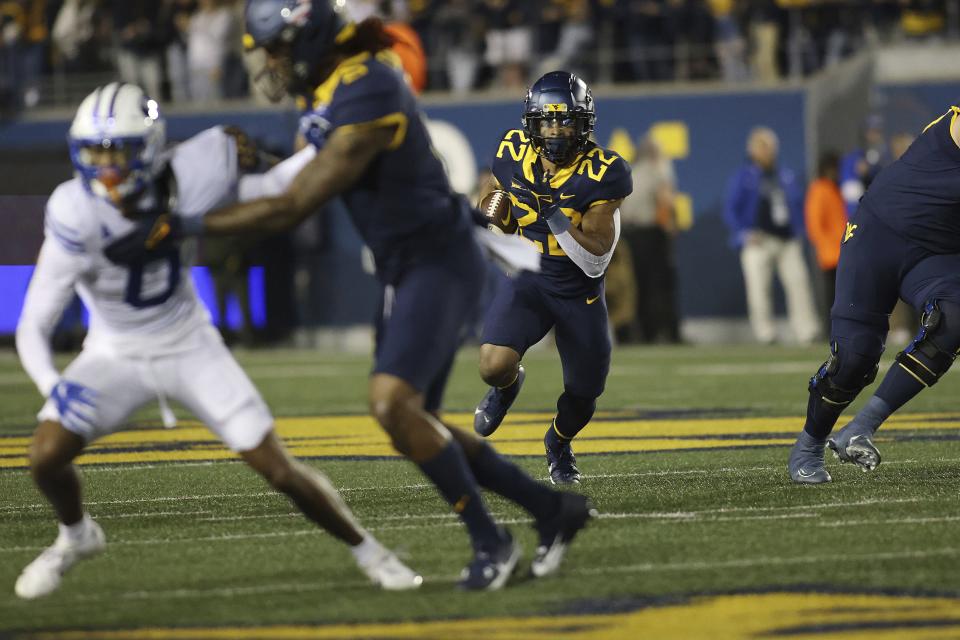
[150, 336]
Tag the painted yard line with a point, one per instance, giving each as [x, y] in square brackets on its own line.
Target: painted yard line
[222, 592]
[151, 514]
[658, 517]
[214, 496]
[912, 520]
[739, 563]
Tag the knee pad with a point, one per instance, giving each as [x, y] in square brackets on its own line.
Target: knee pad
[573, 412]
[936, 345]
[847, 371]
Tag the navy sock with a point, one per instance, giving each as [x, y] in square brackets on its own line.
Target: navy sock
[821, 416]
[873, 413]
[451, 474]
[496, 473]
[898, 387]
[573, 414]
[554, 438]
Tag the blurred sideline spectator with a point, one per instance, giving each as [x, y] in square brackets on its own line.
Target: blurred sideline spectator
[729, 44]
[407, 45]
[139, 49]
[207, 46]
[649, 224]
[860, 166]
[458, 44]
[826, 218]
[764, 213]
[23, 36]
[620, 293]
[509, 41]
[176, 20]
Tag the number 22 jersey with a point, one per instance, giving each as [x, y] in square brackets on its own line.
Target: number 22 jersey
[596, 176]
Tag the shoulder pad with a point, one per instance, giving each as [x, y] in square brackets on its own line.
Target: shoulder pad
[67, 218]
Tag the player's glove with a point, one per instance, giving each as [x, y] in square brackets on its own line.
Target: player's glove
[550, 211]
[153, 235]
[75, 403]
[250, 157]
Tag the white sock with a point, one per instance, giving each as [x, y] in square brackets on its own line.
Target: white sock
[74, 532]
[368, 551]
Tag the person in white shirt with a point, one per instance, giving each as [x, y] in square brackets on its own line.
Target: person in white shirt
[149, 337]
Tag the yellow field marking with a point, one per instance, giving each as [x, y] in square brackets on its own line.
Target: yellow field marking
[728, 617]
[521, 434]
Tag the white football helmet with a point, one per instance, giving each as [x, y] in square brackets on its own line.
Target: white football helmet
[119, 118]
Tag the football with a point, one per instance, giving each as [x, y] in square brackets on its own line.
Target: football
[497, 207]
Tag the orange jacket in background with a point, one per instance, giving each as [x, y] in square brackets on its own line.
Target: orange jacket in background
[826, 218]
[407, 45]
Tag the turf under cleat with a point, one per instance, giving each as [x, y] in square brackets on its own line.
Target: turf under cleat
[556, 534]
[387, 572]
[490, 570]
[854, 444]
[561, 463]
[493, 408]
[43, 576]
[806, 461]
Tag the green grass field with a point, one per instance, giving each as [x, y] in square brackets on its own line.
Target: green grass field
[701, 533]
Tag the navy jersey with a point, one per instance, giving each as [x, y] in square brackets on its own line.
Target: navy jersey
[918, 196]
[596, 176]
[402, 205]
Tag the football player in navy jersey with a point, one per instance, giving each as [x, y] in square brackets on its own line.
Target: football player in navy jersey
[903, 242]
[565, 191]
[368, 145]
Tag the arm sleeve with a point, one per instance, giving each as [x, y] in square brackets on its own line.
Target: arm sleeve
[277, 179]
[51, 289]
[593, 266]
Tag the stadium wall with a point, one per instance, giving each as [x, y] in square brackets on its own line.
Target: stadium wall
[704, 132]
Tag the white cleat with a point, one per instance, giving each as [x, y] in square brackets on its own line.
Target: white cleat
[42, 576]
[387, 572]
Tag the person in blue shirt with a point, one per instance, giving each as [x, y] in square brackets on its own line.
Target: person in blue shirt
[369, 146]
[763, 210]
[903, 242]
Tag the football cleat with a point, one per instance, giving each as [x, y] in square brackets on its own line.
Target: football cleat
[493, 408]
[806, 462]
[42, 576]
[561, 463]
[387, 572]
[854, 444]
[556, 534]
[490, 570]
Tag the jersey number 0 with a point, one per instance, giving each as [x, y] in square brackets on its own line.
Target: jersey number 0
[134, 291]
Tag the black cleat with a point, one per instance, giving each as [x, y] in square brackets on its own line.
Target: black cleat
[557, 533]
[561, 463]
[493, 408]
[490, 570]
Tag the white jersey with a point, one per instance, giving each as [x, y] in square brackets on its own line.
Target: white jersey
[134, 312]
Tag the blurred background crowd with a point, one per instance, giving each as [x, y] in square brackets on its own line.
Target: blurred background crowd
[783, 223]
[52, 51]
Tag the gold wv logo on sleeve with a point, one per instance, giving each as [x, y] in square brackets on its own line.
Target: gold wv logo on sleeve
[849, 232]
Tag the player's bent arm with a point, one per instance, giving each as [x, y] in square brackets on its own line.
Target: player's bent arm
[334, 169]
[591, 246]
[50, 291]
[277, 179]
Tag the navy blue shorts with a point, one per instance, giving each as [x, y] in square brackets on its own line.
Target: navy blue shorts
[423, 318]
[522, 313]
[877, 267]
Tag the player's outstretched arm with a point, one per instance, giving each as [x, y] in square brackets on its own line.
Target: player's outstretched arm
[50, 291]
[335, 168]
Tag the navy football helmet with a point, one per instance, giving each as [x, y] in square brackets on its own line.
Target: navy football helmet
[299, 33]
[562, 97]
